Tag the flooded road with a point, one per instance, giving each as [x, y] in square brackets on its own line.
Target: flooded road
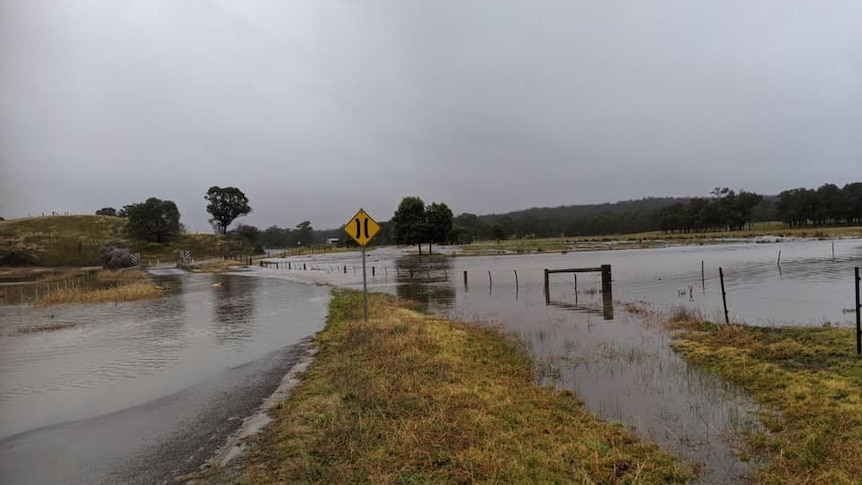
[623, 368]
[163, 381]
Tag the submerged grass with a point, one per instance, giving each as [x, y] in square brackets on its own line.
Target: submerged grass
[53, 327]
[411, 398]
[809, 381]
[125, 292]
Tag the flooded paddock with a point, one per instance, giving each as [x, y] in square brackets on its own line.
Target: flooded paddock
[623, 367]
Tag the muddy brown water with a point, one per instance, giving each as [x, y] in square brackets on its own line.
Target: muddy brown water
[624, 368]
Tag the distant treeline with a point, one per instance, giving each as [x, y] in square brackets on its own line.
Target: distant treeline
[828, 205]
[571, 221]
[723, 210]
[283, 237]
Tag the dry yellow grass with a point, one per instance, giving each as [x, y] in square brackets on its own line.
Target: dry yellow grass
[128, 275]
[126, 292]
[217, 266]
[74, 240]
[410, 398]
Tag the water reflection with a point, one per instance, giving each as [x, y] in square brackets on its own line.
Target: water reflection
[426, 281]
[234, 308]
[606, 312]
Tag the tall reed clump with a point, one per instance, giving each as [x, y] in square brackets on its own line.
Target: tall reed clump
[126, 292]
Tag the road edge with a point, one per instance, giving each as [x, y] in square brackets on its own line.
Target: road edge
[236, 444]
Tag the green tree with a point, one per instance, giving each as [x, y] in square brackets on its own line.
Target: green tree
[275, 237]
[473, 227]
[304, 231]
[438, 220]
[225, 205]
[408, 222]
[747, 201]
[153, 220]
[850, 206]
[107, 211]
[497, 231]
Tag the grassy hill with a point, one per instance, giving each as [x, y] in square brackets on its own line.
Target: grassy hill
[75, 240]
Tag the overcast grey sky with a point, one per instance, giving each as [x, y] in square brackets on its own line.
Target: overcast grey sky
[317, 107]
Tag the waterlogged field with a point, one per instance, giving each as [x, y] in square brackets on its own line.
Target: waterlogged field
[624, 368]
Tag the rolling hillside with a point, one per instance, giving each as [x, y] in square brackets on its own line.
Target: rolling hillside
[75, 240]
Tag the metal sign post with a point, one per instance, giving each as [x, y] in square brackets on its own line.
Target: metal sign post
[364, 286]
[362, 228]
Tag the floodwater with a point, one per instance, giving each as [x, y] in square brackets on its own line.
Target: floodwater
[83, 363]
[69, 363]
[623, 367]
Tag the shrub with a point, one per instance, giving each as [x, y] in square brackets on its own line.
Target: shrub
[114, 255]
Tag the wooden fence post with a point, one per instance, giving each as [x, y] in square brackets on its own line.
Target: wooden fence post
[724, 295]
[547, 290]
[607, 293]
[858, 315]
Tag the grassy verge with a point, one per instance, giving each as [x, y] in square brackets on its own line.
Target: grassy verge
[809, 382]
[125, 292]
[410, 398]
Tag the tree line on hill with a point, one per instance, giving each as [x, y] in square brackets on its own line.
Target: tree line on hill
[414, 223]
[723, 210]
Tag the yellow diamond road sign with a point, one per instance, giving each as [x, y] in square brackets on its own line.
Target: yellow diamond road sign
[362, 228]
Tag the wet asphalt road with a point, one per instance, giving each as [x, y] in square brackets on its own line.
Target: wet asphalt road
[147, 444]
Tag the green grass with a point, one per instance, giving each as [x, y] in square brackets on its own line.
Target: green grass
[809, 382]
[75, 240]
[410, 398]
